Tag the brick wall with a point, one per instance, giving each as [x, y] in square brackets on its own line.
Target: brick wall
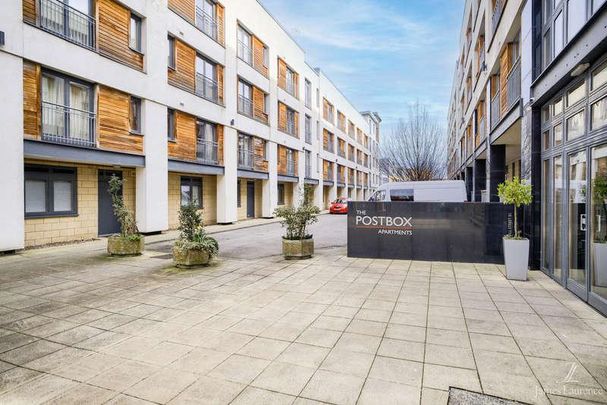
[83, 226]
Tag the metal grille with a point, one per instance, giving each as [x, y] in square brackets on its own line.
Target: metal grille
[206, 152]
[206, 87]
[67, 125]
[206, 23]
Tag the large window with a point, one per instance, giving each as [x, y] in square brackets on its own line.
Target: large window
[191, 191]
[50, 191]
[245, 98]
[576, 17]
[171, 125]
[206, 79]
[244, 46]
[206, 17]
[598, 212]
[308, 94]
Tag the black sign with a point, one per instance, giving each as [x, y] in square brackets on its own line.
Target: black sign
[453, 232]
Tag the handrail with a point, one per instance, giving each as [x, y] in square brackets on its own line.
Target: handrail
[206, 151]
[62, 124]
[206, 23]
[207, 87]
[245, 105]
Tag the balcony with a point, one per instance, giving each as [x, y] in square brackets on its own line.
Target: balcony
[495, 110]
[292, 127]
[245, 53]
[308, 169]
[206, 23]
[291, 170]
[207, 88]
[67, 22]
[70, 126]
[328, 175]
[513, 84]
[206, 152]
[341, 153]
[247, 160]
[498, 9]
[245, 106]
[328, 146]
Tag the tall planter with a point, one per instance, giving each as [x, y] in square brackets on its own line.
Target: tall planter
[118, 245]
[516, 258]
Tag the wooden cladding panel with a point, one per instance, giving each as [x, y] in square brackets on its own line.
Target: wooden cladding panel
[113, 33]
[259, 101]
[505, 66]
[259, 149]
[282, 159]
[282, 117]
[29, 11]
[282, 74]
[184, 146]
[220, 96]
[113, 129]
[296, 134]
[32, 116]
[185, 8]
[259, 62]
[220, 23]
[184, 73]
[219, 131]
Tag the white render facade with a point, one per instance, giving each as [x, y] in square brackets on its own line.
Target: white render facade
[150, 168]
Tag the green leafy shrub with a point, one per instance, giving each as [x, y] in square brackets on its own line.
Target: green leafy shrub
[126, 218]
[192, 235]
[296, 219]
[516, 193]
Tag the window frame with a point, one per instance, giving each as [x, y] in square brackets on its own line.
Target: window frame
[135, 108]
[50, 174]
[280, 194]
[172, 56]
[171, 128]
[190, 182]
[138, 21]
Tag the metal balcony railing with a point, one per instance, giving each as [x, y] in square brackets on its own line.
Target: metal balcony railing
[245, 53]
[341, 153]
[329, 147]
[497, 14]
[513, 84]
[206, 23]
[248, 160]
[291, 167]
[67, 22]
[308, 135]
[495, 110]
[290, 86]
[308, 170]
[245, 106]
[328, 175]
[207, 88]
[206, 152]
[67, 125]
[291, 126]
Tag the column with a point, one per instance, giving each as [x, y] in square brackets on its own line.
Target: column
[479, 178]
[269, 197]
[12, 232]
[497, 169]
[152, 190]
[227, 210]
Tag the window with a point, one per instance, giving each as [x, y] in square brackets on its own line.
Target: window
[577, 94]
[308, 94]
[557, 107]
[575, 125]
[401, 195]
[599, 77]
[245, 94]
[596, 4]
[171, 124]
[50, 191]
[281, 194]
[291, 82]
[244, 46]
[135, 115]
[206, 19]
[599, 113]
[206, 78]
[558, 34]
[557, 135]
[135, 33]
[171, 61]
[238, 196]
[308, 129]
[576, 17]
[291, 122]
[191, 191]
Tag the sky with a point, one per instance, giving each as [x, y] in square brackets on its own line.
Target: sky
[382, 54]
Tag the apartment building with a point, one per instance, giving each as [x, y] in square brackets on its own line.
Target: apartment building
[529, 99]
[187, 100]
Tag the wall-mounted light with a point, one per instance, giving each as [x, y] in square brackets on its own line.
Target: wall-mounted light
[1, 38]
[232, 122]
[579, 69]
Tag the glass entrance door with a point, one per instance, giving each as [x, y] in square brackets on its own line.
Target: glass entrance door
[598, 212]
[557, 217]
[577, 222]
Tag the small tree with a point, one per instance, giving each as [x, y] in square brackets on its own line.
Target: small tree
[128, 224]
[192, 234]
[516, 193]
[297, 219]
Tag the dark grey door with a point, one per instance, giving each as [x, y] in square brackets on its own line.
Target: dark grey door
[250, 199]
[107, 222]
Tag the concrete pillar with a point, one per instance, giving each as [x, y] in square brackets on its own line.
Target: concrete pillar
[479, 178]
[11, 153]
[152, 189]
[469, 183]
[497, 169]
[269, 196]
[227, 210]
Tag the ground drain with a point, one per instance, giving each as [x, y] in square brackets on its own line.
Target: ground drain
[458, 396]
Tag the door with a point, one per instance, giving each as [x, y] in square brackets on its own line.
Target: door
[107, 222]
[577, 223]
[250, 199]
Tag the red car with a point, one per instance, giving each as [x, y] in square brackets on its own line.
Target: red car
[339, 206]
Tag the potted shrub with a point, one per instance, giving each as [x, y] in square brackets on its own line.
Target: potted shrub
[193, 247]
[516, 247]
[129, 242]
[599, 241]
[297, 243]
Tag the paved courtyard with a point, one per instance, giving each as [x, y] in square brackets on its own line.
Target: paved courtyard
[76, 327]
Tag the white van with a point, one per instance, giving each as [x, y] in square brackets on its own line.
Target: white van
[426, 191]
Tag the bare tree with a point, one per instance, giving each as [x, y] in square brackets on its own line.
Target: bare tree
[416, 148]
